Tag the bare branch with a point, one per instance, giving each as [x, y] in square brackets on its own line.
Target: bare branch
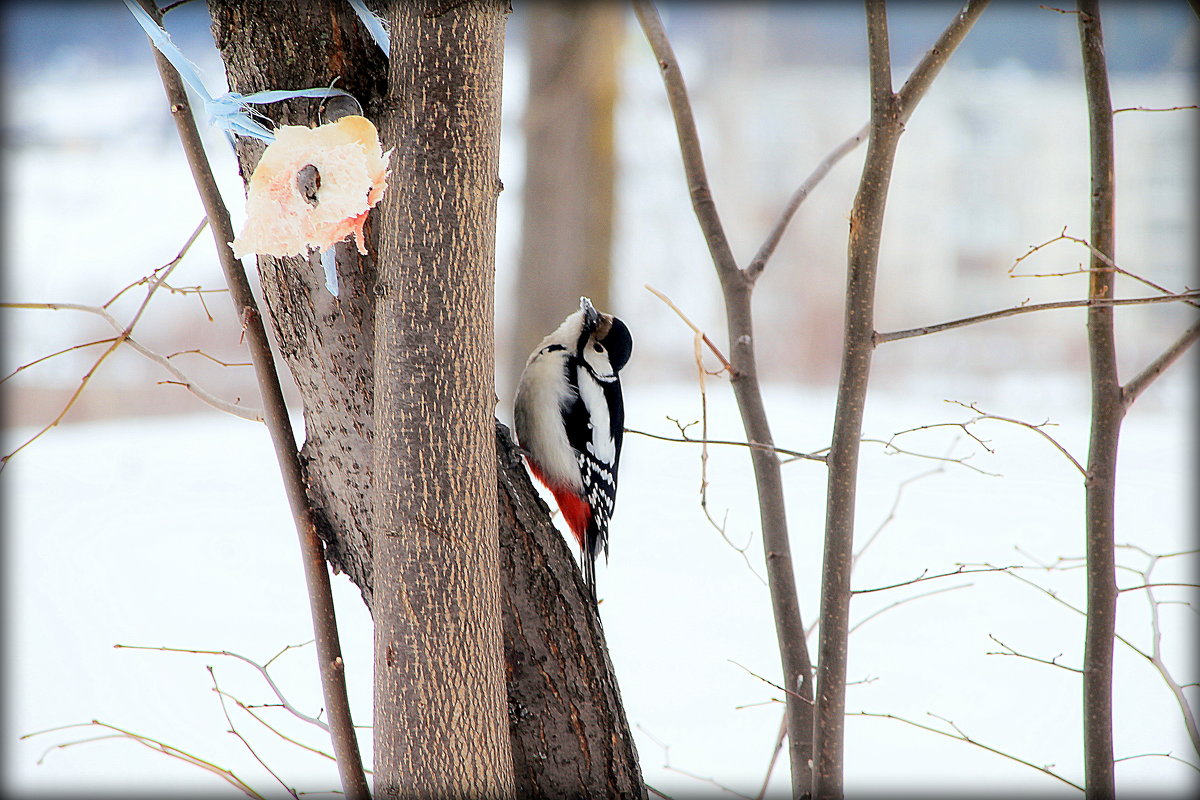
[1142, 108]
[889, 111]
[958, 735]
[963, 569]
[262, 670]
[737, 289]
[1109, 264]
[769, 682]
[1107, 411]
[1098, 302]
[153, 744]
[759, 263]
[752, 445]
[1038, 429]
[1053, 662]
[877, 612]
[891, 515]
[689, 140]
[233, 729]
[936, 57]
[72, 348]
[1158, 366]
[704, 336]
[125, 337]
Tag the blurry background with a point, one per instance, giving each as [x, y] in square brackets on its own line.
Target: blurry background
[112, 514]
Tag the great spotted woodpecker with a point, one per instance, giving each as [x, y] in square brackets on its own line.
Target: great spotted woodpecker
[570, 418]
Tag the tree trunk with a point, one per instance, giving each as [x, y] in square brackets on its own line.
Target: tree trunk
[439, 690]
[569, 736]
[570, 166]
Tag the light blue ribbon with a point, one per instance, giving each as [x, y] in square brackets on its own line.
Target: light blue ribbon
[374, 26]
[230, 111]
[329, 264]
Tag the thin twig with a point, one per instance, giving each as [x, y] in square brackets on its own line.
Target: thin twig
[153, 744]
[262, 670]
[891, 515]
[963, 569]
[909, 599]
[1143, 108]
[769, 682]
[24, 367]
[1009, 651]
[242, 412]
[1038, 429]
[959, 735]
[169, 266]
[124, 334]
[1183, 761]
[1109, 264]
[233, 729]
[212, 358]
[1098, 302]
[752, 445]
[716, 351]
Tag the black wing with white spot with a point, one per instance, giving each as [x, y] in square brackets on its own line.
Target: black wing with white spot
[595, 424]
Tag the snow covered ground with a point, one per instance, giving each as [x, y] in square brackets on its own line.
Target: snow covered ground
[174, 532]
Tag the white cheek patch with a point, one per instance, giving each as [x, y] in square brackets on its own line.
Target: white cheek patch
[599, 363]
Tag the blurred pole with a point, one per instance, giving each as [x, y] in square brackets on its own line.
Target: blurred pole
[570, 165]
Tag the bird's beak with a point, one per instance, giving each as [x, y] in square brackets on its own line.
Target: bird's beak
[591, 317]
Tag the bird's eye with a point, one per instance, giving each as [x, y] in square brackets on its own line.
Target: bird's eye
[599, 348]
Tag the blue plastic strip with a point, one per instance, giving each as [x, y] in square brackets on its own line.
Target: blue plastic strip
[374, 26]
[228, 112]
[329, 262]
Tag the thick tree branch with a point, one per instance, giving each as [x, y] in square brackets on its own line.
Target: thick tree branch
[1134, 388]
[316, 572]
[1108, 409]
[759, 263]
[889, 111]
[866, 225]
[737, 288]
[936, 57]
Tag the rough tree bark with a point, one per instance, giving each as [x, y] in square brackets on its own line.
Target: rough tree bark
[569, 735]
[570, 166]
[439, 691]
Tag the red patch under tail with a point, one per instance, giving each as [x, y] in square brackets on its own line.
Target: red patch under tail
[575, 511]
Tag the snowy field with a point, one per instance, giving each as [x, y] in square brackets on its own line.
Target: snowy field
[174, 532]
